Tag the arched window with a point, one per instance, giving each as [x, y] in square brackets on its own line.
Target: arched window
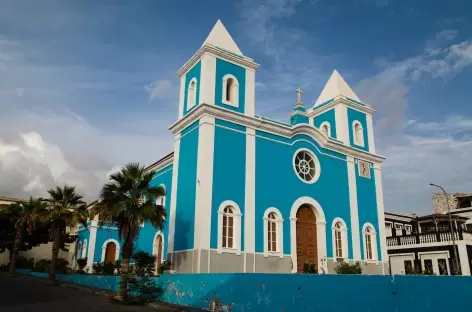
[229, 228]
[158, 250]
[325, 128]
[273, 237]
[161, 200]
[110, 251]
[192, 93]
[84, 249]
[78, 250]
[370, 245]
[340, 240]
[230, 90]
[358, 133]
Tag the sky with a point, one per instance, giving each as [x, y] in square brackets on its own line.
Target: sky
[88, 86]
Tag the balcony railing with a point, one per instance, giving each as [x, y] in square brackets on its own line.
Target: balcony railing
[427, 238]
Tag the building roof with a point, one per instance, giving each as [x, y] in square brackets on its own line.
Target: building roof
[336, 86]
[220, 37]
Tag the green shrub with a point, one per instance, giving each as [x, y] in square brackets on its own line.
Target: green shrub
[348, 268]
[142, 289]
[62, 266]
[309, 268]
[165, 266]
[108, 268]
[82, 262]
[144, 263]
[42, 266]
[23, 263]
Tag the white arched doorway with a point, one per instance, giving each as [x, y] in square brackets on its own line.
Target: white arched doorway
[158, 249]
[311, 241]
[110, 250]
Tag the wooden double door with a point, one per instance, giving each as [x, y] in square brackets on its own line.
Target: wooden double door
[307, 243]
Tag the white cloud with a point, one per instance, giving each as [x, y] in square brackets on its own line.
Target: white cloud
[161, 89]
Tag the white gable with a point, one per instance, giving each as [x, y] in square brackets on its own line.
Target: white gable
[334, 87]
[221, 38]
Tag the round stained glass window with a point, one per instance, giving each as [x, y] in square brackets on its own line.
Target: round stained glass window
[306, 166]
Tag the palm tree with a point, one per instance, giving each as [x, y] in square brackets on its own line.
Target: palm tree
[23, 215]
[64, 208]
[128, 201]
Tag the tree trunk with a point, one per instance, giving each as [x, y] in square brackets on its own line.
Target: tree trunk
[55, 252]
[125, 272]
[16, 246]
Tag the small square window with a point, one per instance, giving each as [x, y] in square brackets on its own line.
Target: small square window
[364, 169]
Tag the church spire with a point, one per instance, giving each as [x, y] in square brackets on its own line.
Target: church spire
[220, 37]
[299, 115]
[336, 86]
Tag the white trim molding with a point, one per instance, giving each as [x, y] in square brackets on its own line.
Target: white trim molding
[357, 133]
[155, 247]
[279, 229]
[173, 197]
[328, 128]
[381, 211]
[182, 96]
[320, 231]
[373, 242]
[91, 243]
[370, 133]
[344, 239]
[207, 80]
[250, 96]
[236, 249]
[250, 194]
[353, 209]
[84, 249]
[233, 93]
[104, 248]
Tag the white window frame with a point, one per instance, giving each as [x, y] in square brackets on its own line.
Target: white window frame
[104, 248]
[236, 228]
[235, 100]
[408, 229]
[344, 239]
[359, 162]
[78, 250]
[192, 101]
[373, 235]
[279, 227]
[84, 249]
[398, 228]
[357, 139]
[391, 229]
[317, 165]
[161, 200]
[328, 127]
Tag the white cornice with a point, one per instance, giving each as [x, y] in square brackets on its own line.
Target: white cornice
[340, 100]
[162, 163]
[272, 127]
[207, 48]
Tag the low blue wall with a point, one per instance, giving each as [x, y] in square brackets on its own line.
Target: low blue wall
[294, 292]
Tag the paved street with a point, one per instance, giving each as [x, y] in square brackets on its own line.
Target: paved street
[24, 293]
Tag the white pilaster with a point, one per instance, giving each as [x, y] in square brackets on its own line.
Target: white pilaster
[380, 211]
[370, 133]
[207, 79]
[173, 198]
[354, 210]
[250, 204]
[182, 96]
[463, 258]
[204, 185]
[250, 92]
[91, 243]
[342, 126]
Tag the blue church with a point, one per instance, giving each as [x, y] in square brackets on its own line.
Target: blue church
[245, 193]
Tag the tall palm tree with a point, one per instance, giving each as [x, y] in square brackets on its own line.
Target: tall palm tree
[23, 215]
[64, 208]
[128, 201]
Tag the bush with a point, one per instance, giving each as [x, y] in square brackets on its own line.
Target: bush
[309, 268]
[348, 268]
[165, 266]
[82, 262]
[107, 268]
[62, 266]
[142, 289]
[144, 263]
[23, 263]
[42, 266]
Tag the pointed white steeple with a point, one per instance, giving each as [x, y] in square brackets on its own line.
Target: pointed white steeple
[336, 86]
[221, 38]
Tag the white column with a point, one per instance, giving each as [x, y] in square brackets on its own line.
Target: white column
[173, 198]
[250, 97]
[342, 125]
[380, 211]
[354, 211]
[91, 243]
[250, 200]
[182, 96]
[463, 258]
[207, 80]
[204, 186]
[370, 133]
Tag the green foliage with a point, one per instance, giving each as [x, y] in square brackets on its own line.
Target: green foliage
[82, 262]
[144, 263]
[348, 268]
[42, 266]
[108, 268]
[309, 268]
[23, 263]
[142, 289]
[165, 266]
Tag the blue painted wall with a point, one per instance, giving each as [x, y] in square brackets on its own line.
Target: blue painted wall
[277, 184]
[353, 115]
[328, 116]
[186, 188]
[82, 236]
[229, 172]
[195, 72]
[367, 206]
[223, 68]
[104, 234]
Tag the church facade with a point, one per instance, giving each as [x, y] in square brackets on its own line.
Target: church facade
[245, 193]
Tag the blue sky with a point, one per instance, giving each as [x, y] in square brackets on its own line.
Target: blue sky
[87, 86]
